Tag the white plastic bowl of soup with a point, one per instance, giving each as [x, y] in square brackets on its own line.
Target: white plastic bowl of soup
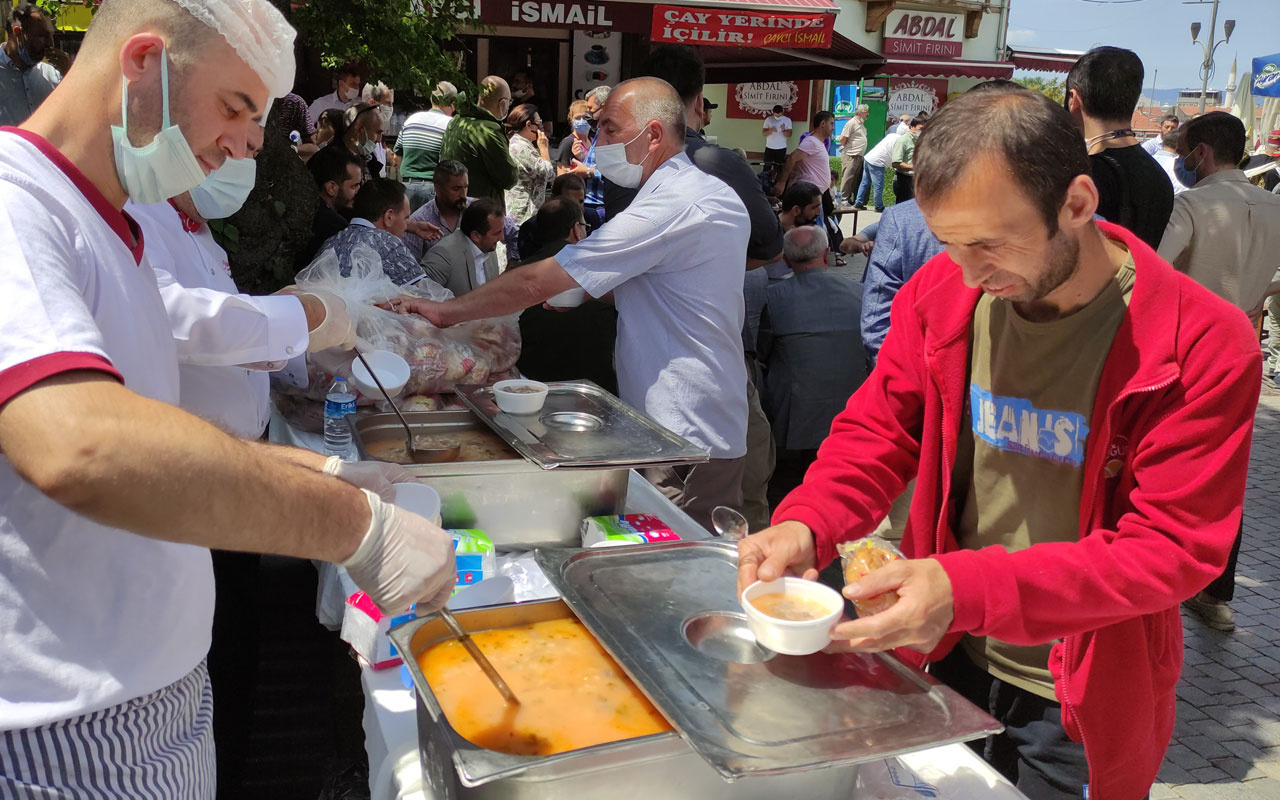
[520, 396]
[792, 616]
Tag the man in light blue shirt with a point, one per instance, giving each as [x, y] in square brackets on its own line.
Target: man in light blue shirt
[673, 262]
[25, 80]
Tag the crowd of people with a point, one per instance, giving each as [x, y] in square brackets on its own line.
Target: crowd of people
[1043, 386]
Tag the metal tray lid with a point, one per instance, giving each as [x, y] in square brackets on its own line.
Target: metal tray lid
[669, 615]
[582, 425]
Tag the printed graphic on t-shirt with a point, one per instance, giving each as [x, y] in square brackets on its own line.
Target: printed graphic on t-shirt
[1015, 425]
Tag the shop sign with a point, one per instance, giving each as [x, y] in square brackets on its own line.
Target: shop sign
[755, 100]
[630, 17]
[713, 28]
[915, 33]
[915, 95]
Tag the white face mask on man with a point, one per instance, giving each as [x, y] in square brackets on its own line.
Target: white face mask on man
[611, 160]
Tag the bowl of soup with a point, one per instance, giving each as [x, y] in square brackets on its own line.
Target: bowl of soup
[790, 615]
[520, 396]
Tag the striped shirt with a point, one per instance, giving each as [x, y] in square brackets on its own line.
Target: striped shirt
[419, 143]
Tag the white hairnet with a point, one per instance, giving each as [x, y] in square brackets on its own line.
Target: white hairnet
[259, 33]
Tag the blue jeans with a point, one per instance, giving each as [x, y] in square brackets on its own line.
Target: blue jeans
[420, 191]
[872, 176]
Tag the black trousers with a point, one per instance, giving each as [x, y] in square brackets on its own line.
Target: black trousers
[904, 186]
[1224, 586]
[1034, 752]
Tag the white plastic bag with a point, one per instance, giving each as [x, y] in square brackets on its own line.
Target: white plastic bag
[439, 359]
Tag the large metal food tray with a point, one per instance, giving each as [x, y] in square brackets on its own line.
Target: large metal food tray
[658, 766]
[669, 615]
[514, 501]
[582, 425]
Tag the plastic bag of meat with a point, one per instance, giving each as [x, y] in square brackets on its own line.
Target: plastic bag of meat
[439, 358]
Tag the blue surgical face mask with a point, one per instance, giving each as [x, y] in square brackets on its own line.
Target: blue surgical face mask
[1186, 176]
[225, 190]
[164, 168]
[582, 126]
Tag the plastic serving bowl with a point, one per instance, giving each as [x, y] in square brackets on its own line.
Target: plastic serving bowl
[418, 498]
[522, 402]
[390, 368]
[790, 637]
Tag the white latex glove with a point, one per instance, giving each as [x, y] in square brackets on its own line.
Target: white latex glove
[376, 476]
[403, 559]
[336, 330]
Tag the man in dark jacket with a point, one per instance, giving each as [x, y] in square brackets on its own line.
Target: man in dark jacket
[475, 137]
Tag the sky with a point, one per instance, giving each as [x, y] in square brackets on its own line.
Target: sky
[1159, 31]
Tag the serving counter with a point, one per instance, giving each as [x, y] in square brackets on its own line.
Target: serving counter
[392, 714]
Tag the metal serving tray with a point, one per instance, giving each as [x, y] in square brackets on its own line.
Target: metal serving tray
[582, 425]
[669, 615]
[657, 766]
[514, 501]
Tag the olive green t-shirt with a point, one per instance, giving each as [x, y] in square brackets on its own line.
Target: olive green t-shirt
[1019, 470]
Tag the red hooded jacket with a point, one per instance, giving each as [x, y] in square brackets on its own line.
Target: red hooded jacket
[1165, 468]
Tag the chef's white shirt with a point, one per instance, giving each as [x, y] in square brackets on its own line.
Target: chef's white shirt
[217, 329]
[90, 616]
[674, 260]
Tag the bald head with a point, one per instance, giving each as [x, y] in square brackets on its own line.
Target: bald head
[804, 247]
[495, 96]
[650, 99]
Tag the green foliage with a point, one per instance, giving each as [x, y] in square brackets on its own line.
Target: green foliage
[400, 42]
[1054, 88]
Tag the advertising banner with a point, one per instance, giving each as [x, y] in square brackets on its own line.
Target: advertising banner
[714, 28]
[1266, 76]
[755, 100]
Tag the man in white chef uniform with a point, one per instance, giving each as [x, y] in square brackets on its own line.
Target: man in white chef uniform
[228, 343]
[112, 496]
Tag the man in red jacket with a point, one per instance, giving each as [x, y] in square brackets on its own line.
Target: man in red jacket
[1078, 415]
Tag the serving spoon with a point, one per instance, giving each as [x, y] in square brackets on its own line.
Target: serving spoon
[420, 455]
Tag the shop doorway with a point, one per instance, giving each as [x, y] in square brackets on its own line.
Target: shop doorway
[541, 57]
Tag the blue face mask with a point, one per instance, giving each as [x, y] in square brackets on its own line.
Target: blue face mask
[1187, 177]
[582, 126]
[162, 169]
[225, 190]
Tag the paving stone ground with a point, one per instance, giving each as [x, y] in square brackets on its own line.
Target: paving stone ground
[1227, 741]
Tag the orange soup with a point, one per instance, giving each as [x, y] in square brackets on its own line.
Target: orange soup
[790, 607]
[572, 694]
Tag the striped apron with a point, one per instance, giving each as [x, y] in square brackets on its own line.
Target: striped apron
[155, 747]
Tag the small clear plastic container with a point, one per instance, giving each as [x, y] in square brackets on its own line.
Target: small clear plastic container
[862, 557]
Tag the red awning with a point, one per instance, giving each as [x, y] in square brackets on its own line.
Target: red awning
[828, 6]
[845, 60]
[1043, 60]
[930, 68]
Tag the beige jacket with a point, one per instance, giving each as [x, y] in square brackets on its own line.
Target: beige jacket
[1225, 234]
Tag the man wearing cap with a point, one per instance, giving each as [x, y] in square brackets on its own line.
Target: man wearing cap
[113, 496]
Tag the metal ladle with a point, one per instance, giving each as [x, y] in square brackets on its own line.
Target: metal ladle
[473, 650]
[420, 455]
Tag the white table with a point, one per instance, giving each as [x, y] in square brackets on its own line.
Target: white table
[395, 773]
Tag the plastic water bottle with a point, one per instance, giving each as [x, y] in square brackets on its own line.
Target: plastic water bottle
[338, 403]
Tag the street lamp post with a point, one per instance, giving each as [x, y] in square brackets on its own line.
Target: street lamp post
[1206, 66]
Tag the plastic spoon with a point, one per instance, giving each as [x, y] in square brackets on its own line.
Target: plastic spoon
[729, 524]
